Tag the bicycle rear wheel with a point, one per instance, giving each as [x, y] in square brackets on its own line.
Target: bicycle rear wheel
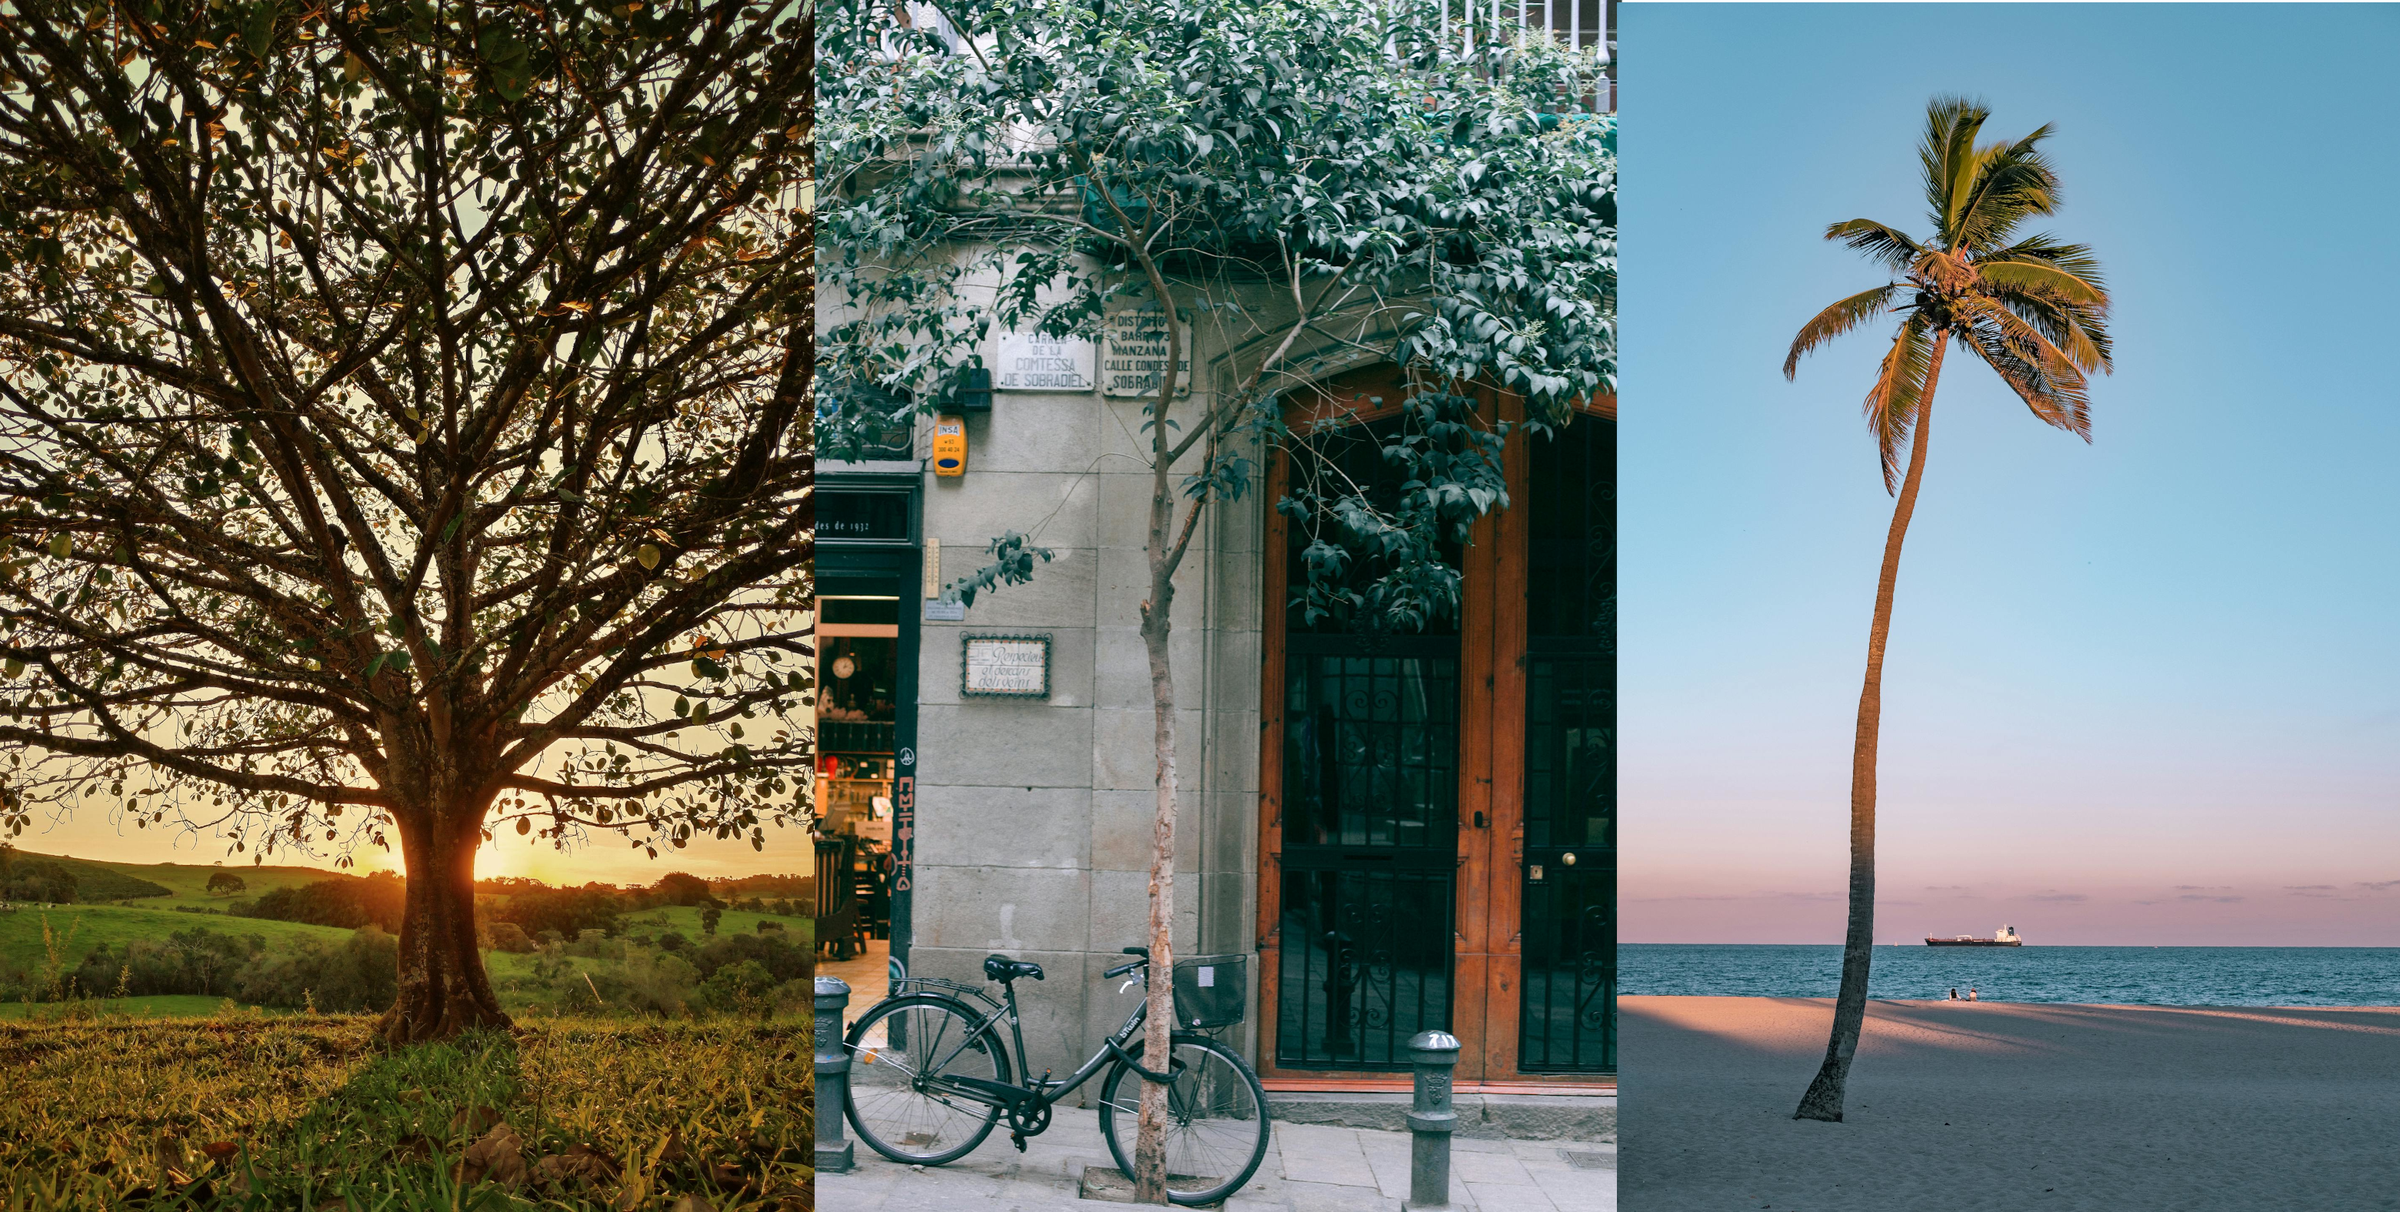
[904, 1058]
[1216, 1120]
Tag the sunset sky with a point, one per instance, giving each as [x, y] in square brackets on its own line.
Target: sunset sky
[606, 859]
[2145, 691]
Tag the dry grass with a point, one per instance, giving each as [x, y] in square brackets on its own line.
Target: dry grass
[245, 1111]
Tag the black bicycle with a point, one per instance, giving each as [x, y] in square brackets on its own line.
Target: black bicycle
[930, 1076]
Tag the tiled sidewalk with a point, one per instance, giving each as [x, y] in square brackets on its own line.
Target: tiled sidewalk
[1310, 1168]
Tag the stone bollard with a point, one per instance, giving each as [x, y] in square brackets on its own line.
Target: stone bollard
[833, 1076]
[1431, 1121]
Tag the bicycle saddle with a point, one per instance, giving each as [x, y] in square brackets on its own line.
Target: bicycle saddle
[1003, 969]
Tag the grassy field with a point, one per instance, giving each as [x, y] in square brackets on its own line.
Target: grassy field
[169, 1005]
[187, 883]
[255, 1112]
[83, 927]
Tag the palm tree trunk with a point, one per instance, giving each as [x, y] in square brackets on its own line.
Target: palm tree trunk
[1824, 1098]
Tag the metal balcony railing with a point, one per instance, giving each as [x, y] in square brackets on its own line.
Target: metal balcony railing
[1472, 29]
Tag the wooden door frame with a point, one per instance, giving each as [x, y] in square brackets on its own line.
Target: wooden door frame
[1486, 951]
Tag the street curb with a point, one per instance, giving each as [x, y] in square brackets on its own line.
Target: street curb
[1582, 1117]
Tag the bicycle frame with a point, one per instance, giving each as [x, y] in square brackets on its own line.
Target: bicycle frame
[1033, 1094]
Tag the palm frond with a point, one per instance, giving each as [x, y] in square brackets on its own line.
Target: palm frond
[2079, 331]
[1891, 405]
[2010, 182]
[1890, 247]
[1836, 320]
[1947, 157]
[2040, 278]
[2044, 248]
[2035, 369]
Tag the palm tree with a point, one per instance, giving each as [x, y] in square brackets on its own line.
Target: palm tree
[2033, 310]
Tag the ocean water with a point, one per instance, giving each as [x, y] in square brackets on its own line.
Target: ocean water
[2142, 976]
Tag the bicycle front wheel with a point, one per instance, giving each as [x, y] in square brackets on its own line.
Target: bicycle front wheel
[1216, 1119]
[905, 1058]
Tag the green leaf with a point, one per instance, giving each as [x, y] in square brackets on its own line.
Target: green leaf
[648, 555]
[62, 546]
[259, 32]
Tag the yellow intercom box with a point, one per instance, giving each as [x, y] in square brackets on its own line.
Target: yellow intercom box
[949, 446]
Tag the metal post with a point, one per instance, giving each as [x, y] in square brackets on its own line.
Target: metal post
[833, 1076]
[1431, 1121]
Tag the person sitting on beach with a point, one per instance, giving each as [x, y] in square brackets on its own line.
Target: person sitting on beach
[1954, 993]
[1970, 993]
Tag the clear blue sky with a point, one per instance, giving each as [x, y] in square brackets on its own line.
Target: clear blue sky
[2142, 691]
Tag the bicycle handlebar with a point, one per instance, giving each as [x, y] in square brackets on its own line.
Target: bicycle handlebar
[1122, 969]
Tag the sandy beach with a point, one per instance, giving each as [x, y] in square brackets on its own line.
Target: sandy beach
[1956, 1105]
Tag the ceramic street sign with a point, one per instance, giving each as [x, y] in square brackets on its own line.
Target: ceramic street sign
[1013, 666]
[1136, 355]
[1031, 362]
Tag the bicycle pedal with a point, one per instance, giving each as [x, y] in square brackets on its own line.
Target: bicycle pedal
[1017, 1139]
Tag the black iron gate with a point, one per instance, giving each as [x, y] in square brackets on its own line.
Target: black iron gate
[1568, 1021]
[1370, 843]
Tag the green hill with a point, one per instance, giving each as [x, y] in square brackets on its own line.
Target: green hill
[180, 883]
[79, 928]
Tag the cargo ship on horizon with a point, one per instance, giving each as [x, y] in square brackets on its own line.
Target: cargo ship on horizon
[2007, 937]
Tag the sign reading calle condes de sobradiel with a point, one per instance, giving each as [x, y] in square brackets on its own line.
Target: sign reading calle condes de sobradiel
[1032, 362]
[1136, 354]
[1006, 666]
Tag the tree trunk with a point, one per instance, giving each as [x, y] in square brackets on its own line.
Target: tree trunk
[1823, 1101]
[443, 989]
[1150, 1146]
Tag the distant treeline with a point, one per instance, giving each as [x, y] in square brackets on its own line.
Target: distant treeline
[64, 881]
[742, 973]
[358, 973]
[513, 913]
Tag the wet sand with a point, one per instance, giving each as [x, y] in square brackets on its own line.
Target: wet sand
[1993, 1105]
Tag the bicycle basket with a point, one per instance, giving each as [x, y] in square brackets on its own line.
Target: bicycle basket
[1211, 990]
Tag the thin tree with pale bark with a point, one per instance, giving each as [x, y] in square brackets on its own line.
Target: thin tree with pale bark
[2031, 308]
[404, 432]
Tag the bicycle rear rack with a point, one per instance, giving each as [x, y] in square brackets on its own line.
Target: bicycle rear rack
[935, 984]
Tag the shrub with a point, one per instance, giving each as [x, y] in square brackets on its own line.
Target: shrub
[509, 937]
[678, 888]
[194, 961]
[363, 973]
[344, 901]
[569, 911]
[782, 959]
[672, 942]
[660, 984]
[743, 988]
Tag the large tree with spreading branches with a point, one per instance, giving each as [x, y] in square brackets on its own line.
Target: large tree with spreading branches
[404, 431]
[1307, 183]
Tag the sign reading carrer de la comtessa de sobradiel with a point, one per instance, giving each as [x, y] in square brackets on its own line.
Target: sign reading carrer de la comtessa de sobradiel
[1033, 362]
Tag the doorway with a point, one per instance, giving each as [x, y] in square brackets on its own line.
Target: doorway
[1437, 814]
